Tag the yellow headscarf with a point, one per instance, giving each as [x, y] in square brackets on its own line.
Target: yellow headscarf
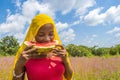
[37, 22]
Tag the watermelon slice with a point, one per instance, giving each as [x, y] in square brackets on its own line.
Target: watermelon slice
[42, 47]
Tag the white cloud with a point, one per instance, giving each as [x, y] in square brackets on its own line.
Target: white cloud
[46, 8]
[94, 17]
[117, 20]
[82, 6]
[111, 16]
[61, 5]
[115, 29]
[90, 40]
[61, 26]
[115, 39]
[65, 6]
[31, 7]
[20, 37]
[8, 12]
[15, 23]
[18, 4]
[117, 35]
[75, 23]
[94, 35]
[68, 35]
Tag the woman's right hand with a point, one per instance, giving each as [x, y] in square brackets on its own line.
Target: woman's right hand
[28, 53]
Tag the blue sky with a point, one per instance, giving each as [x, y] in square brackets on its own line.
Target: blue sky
[81, 22]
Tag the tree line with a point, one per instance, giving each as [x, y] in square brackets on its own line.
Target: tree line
[9, 46]
[79, 50]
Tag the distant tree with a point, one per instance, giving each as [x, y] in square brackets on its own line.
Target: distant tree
[81, 50]
[113, 51]
[102, 51]
[72, 50]
[88, 48]
[93, 50]
[9, 45]
[78, 50]
[118, 48]
[84, 51]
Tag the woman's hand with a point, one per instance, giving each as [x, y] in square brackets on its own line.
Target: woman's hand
[28, 53]
[60, 51]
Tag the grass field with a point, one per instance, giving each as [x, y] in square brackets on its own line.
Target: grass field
[93, 68]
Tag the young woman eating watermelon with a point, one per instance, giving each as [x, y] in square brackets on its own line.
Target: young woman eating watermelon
[35, 65]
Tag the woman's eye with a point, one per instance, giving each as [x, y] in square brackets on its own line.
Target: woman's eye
[51, 34]
[41, 35]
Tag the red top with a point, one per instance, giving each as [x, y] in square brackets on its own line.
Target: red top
[45, 69]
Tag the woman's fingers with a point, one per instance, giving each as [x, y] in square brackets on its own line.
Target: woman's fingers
[58, 46]
[30, 50]
[29, 56]
[28, 47]
[59, 52]
[33, 55]
[26, 56]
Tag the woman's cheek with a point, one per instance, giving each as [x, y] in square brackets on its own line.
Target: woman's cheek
[52, 37]
[40, 39]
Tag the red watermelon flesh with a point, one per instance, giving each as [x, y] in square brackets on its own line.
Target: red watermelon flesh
[43, 47]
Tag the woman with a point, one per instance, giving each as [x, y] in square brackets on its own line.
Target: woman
[54, 65]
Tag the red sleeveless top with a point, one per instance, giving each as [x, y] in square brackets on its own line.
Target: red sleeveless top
[45, 69]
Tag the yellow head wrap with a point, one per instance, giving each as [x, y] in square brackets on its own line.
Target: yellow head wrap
[37, 22]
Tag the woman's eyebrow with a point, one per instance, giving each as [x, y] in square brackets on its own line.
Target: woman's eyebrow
[51, 31]
[47, 31]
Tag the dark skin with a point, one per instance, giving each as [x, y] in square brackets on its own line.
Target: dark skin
[45, 34]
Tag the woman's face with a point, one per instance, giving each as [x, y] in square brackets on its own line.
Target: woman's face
[45, 34]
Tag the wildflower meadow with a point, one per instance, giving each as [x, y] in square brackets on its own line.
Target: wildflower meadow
[85, 68]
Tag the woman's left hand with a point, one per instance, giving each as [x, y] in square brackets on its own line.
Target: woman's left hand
[60, 51]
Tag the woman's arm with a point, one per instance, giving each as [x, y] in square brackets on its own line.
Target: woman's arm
[64, 56]
[19, 69]
[28, 53]
[68, 69]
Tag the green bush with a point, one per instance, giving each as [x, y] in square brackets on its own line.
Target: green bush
[8, 45]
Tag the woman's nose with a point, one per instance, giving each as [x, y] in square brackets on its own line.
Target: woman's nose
[47, 39]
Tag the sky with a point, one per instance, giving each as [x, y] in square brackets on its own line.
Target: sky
[80, 22]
